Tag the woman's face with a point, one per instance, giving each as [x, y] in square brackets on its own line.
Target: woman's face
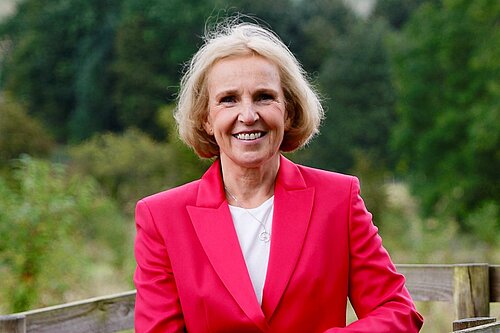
[246, 110]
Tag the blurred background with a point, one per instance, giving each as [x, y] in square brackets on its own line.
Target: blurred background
[87, 89]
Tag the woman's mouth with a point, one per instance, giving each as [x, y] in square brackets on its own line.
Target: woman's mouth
[249, 136]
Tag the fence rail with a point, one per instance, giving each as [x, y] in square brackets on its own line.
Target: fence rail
[106, 314]
[470, 287]
[476, 325]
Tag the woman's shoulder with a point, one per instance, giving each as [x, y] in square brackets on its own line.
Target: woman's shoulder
[320, 176]
[183, 195]
[330, 185]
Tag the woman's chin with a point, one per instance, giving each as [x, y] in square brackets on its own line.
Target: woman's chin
[252, 160]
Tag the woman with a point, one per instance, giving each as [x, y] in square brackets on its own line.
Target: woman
[259, 244]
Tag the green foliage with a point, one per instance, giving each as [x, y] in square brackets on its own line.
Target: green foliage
[309, 28]
[372, 177]
[57, 60]
[154, 38]
[396, 12]
[448, 134]
[410, 238]
[93, 109]
[131, 165]
[485, 222]
[127, 166]
[49, 222]
[315, 30]
[360, 100]
[20, 134]
[188, 165]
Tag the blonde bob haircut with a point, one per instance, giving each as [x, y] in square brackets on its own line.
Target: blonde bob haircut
[303, 107]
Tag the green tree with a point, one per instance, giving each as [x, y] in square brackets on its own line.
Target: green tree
[188, 166]
[154, 39]
[315, 30]
[448, 134]
[94, 110]
[56, 63]
[359, 100]
[50, 223]
[131, 165]
[396, 12]
[309, 28]
[20, 134]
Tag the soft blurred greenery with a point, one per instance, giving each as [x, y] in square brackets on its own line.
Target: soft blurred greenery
[50, 223]
[20, 133]
[87, 90]
[132, 165]
[447, 70]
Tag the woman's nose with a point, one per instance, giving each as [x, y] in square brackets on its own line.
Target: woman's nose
[248, 115]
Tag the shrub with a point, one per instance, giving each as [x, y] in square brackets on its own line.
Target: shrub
[128, 166]
[131, 165]
[51, 223]
[19, 133]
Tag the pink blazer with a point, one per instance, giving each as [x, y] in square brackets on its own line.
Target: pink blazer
[191, 275]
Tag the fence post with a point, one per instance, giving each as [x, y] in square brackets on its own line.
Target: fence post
[13, 324]
[471, 291]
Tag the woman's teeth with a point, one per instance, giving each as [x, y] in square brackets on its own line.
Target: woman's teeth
[248, 136]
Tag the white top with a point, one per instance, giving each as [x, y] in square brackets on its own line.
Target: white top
[255, 251]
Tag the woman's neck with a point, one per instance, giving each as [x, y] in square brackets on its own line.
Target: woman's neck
[249, 186]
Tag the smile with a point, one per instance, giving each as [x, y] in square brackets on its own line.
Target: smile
[248, 136]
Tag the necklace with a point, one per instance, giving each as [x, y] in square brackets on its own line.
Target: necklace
[264, 235]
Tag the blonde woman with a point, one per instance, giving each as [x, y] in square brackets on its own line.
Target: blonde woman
[259, 243]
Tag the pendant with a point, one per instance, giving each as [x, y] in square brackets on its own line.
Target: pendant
[264, 236]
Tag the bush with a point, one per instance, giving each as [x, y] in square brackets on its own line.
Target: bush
[51, 223]
[19, 133]
[128, 166]
[131, 165]
[484, 222]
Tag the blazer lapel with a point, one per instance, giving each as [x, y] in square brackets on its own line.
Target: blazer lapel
[293, 203]
[213, 224]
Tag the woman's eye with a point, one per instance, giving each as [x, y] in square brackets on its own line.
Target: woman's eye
[265, 97]
[228, 99]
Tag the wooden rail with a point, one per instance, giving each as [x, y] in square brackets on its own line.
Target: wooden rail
[470, 287]
[101, 315]
[476, 325]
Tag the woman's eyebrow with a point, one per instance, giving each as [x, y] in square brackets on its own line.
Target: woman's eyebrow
[226, 92]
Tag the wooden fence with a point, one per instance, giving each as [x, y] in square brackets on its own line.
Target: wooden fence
[469, 287]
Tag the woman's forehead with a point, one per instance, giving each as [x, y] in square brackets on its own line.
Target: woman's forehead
[232, 72]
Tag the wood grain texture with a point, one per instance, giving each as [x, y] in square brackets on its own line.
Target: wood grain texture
[100, 315]
[471, 295]
[472, 322]
[494, 283]
[13, 324]
[429, 282]
[488, 328]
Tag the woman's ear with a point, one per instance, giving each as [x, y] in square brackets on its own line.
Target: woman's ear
[288, 119]
[288, 123]
[208, 127]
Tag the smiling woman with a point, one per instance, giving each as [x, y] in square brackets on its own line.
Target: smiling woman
[259, 244]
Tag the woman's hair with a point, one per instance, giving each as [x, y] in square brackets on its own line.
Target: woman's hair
[303, 108]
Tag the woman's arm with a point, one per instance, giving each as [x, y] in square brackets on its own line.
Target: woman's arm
[157, 307]
[376, 291]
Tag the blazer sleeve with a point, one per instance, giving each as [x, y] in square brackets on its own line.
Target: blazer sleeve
[376, 291]
[157, 307]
